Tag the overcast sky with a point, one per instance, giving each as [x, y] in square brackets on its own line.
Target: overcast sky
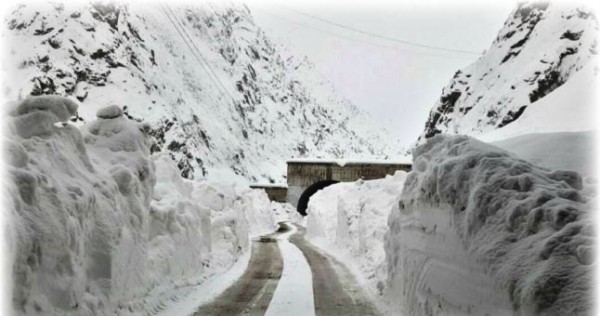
[395, 82]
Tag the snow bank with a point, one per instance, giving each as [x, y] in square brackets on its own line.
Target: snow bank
[98, 226]
[285, 212]
[480, 231]
[349, 220]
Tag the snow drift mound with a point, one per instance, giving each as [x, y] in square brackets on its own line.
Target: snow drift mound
[479, 230]
[96, 225]
[541, 47]
[74, 224]
[349, 220]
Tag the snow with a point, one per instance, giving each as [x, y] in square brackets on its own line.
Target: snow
[110, 112]
[514, 224]
[349, 220]
[572, 107]
[36, 116]
[283, 212]
[473, 229]
[294, 293]
[99, 226]
[561, 150]
[61, 107]
[525, 75]
[343, 162]
[185, 300]
[518, 235]
[230, 106]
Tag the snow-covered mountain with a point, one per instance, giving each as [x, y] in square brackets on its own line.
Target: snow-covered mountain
[217, 93]
[541, 47]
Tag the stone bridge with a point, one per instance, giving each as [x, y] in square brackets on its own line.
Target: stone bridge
[306, 177]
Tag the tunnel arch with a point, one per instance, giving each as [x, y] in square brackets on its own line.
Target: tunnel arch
[308, 192]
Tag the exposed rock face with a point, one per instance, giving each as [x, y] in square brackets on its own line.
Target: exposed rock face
[219, 96]
[539, 48]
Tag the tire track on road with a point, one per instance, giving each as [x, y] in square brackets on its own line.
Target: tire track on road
[335, 289]
[253, 292]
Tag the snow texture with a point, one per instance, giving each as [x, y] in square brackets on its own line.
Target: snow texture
[36, 116]
[294, 293]
[479, 230]
[218, 95]
[541, 47]
[349, 220]
[572, 107]
[110, 112]
[100, 227]
[343, 162]
[283, 212]
[574, 151]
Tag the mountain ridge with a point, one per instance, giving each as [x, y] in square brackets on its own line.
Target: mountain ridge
[539, 48]
[216, 91]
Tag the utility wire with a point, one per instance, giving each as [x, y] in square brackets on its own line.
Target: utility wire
[292, 30]
[383, 36]
[200, 61]
[200, 53]
[330, 33]
[188, 136]
[191, 49]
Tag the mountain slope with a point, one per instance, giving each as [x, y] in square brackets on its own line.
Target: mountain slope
[540, 47]
[214, 89]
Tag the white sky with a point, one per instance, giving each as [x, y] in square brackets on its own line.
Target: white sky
[398, 84]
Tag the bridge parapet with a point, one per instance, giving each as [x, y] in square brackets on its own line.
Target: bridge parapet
[305, 173]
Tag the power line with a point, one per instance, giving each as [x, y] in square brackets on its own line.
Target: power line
[188, 45]
[383, 36]
[358, 40]
[200, 53]
[210, 70]
[189, 135]
[294, 29]
[200, 61]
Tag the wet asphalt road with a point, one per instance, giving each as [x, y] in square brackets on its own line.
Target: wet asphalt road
[335, 290]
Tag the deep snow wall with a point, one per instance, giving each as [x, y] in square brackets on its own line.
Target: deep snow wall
[349, 220]
[521, 235]
[221, 98]
[97, 226]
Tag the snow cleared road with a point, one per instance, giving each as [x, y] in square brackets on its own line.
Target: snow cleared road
[278, 279]
[253, 292]
[336, 292]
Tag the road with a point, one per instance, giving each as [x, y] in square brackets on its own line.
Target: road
[252, 293]
[335, 289]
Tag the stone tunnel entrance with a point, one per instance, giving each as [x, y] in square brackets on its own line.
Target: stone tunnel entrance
[303, 201]
[307, 176]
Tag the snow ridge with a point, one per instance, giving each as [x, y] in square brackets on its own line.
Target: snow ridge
[350, 220]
